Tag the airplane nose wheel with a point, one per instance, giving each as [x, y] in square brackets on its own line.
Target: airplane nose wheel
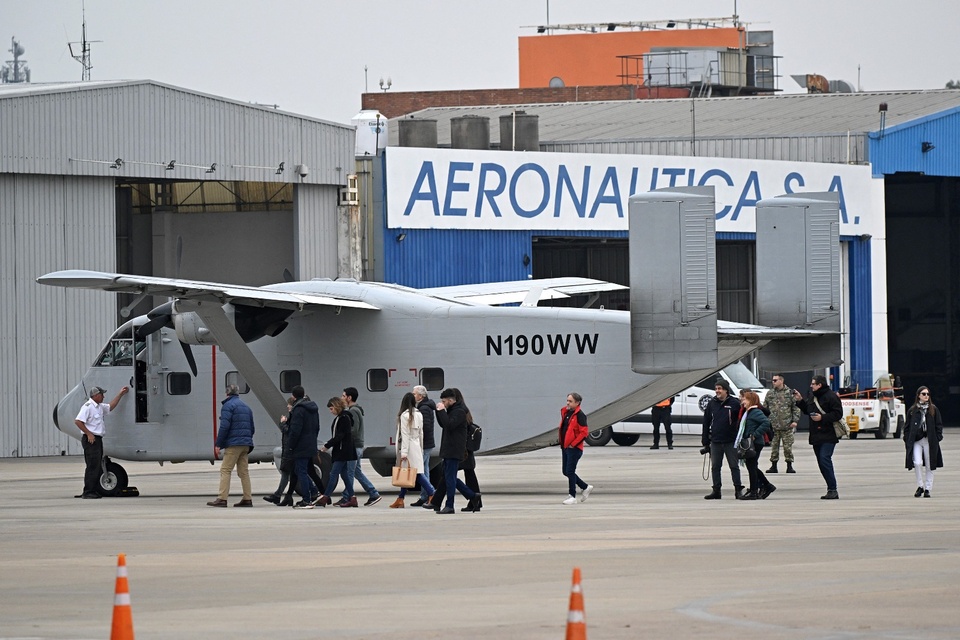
[113, 480]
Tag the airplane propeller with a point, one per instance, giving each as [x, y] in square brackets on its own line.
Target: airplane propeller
[162, 316]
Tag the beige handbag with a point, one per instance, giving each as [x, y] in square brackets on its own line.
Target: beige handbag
[404, 476]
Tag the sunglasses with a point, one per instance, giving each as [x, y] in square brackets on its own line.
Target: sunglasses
[924, 393]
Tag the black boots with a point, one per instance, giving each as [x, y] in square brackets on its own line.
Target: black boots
[773, 467]
[739, 494]
[474, 504]
[790, 468]
[830, 495]
[714, 495]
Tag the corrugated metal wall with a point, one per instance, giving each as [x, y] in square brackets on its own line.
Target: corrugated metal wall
[49, 223]
[901, 148]
[315, 226]
[822, 148]
[146, 122]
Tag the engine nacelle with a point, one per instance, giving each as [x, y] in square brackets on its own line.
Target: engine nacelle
[191, 330]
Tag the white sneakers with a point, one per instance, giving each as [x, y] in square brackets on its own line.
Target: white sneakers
[583, 496]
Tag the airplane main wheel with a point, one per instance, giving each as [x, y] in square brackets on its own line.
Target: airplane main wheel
[853, 435]
[599, 437]
[884, 425]
[626, 439]
[323, 469]
[113, 480]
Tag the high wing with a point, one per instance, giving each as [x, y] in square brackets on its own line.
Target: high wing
[526, 292]
[268, 296]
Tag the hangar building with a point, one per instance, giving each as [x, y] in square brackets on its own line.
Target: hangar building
[145, 178]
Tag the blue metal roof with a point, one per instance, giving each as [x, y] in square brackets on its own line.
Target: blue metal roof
[902, 148]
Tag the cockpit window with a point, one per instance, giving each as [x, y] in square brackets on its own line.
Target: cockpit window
[120, 352]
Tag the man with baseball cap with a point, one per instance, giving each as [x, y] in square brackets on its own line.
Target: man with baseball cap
[90, 422]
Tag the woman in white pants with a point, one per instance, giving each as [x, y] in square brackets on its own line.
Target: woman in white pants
[922, 435]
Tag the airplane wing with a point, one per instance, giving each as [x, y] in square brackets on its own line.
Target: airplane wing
[526, 292]
[195, 290]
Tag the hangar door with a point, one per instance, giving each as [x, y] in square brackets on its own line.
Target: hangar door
[923, 286]
[608, 259]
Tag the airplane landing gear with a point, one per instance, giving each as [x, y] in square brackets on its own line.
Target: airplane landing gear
[113, 480]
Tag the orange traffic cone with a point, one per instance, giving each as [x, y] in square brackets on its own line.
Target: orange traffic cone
[576, 621]
[122, 628]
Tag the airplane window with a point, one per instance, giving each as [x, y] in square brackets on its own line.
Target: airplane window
[119, 353]
[431, 378]
[288, 380]
[234, 377]
[178, 384]
[377, 380]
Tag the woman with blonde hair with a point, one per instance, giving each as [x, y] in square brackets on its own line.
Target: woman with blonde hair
[410, 447]
[921, 436]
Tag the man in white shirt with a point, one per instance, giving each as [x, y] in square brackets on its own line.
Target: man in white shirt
[90, 422]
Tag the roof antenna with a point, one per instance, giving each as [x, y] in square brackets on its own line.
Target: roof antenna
[83, 57]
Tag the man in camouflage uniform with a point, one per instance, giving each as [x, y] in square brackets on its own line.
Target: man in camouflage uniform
[784, 415]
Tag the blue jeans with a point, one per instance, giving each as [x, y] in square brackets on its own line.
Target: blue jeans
[454, 483]
[571, 456]
[306, 487]
[362, 478]
[825, 462]
[426, 471]
[341, 469]
[425, 486]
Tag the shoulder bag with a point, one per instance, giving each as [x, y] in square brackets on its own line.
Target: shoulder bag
[840, 427]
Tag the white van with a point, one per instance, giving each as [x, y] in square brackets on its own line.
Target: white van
[688, 408]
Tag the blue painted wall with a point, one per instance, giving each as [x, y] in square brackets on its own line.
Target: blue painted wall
[900, 148]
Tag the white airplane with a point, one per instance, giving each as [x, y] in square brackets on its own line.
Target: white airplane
[514, 364]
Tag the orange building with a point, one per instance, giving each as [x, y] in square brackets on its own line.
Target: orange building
[591, 59]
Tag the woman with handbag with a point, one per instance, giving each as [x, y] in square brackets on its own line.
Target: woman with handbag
[921, 436]
[824, 408]
[755, 426]
[410, 447]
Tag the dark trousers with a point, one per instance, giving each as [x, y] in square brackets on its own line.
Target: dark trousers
[824, 454]
[571, 456]
[719, 451]
[93, 457]
[664, 415]
[304, 484]
[757, 480]
[453, 483]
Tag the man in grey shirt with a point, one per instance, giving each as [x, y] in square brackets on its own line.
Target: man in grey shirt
[349, 396]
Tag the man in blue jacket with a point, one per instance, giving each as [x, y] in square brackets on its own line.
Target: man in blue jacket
[235, 441]
[721, 421]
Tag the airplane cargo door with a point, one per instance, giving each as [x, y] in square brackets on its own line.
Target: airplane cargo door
[149, 381]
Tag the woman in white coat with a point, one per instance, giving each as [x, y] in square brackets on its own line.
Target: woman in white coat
[410, 447]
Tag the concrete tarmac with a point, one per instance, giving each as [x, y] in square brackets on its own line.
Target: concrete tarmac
[657, 560]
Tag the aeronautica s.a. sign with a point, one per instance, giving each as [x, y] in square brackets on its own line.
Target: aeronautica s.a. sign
[503, 190]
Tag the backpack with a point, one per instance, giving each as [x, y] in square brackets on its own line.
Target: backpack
[474, 436]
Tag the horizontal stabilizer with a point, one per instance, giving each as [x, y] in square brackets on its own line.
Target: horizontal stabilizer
[517, 291]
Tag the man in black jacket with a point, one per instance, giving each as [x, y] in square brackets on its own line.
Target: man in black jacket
[824, 408]
[720, 426]
[304, 429]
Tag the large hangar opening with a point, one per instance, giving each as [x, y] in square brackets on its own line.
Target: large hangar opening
[223, 231]
[923, 293]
